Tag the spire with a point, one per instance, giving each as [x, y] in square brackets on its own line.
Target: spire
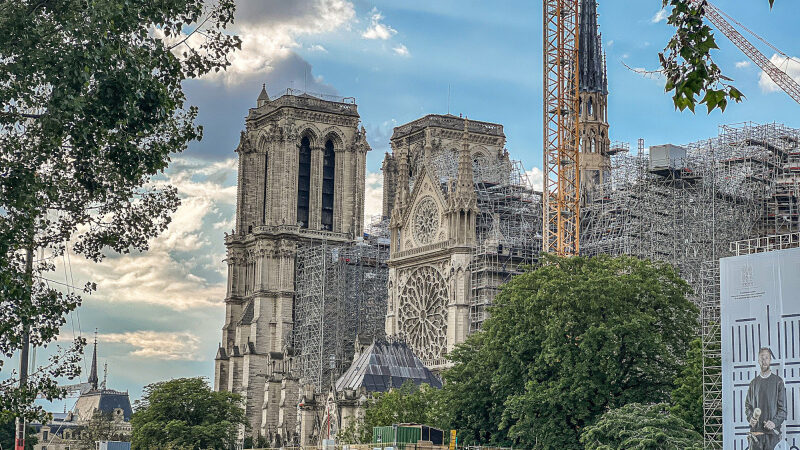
[263, 97]
[93, 374]
[592, 69]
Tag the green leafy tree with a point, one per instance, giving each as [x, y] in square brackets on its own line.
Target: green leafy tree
[91, 108]
[407, 404]
[691, 73]
[185, 413]
[101, 427]
[565, 342]
[7, 435]
[641, 427]
[687, 397]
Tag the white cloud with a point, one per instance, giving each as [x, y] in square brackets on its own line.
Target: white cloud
[401, 50]
[742, 64]
[317, 48]
[536, 178]
[660, 16]
[183, 267]
[378, 30]
[171, 346]
[373, 196]
[270, 30]
[789, 65]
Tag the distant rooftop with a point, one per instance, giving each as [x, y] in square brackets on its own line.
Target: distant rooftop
[449, 122]
[386, 365]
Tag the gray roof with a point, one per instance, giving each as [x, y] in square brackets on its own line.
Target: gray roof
[385, 365]
[104, 400]
[592, 68]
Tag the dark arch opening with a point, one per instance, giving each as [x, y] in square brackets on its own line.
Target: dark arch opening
[303, 182]
[266, 184]
[328, 182]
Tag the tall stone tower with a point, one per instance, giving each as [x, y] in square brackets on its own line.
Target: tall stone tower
[432, 172]
[595, 143]
[302, 163]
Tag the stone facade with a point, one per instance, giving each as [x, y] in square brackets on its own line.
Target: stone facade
[433, 223]
[302, 163]
[595, 144]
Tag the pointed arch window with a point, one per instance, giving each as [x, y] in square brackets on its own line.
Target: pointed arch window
[303, 182]
[266, 189]
[591, 107]
[328, 182]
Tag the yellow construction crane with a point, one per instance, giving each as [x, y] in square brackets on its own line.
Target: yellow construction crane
[561, 195]
[718, 18]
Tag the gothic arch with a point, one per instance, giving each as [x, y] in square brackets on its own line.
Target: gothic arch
[335, 135]
[312, 133]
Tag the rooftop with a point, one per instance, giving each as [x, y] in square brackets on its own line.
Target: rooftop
[450, 122]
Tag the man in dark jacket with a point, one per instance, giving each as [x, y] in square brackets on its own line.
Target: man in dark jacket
[765, 405]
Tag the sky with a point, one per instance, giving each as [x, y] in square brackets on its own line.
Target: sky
[159, 314]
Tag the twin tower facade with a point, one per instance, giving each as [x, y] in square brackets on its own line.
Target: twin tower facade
[302, 167]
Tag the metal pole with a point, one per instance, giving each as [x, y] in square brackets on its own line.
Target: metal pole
[19, 442]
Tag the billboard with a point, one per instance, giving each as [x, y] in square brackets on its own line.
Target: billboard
[760, 323]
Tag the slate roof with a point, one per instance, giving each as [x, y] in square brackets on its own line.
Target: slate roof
[385, 365]
[105, 400]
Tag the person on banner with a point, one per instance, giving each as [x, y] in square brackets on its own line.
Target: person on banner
[765, 405]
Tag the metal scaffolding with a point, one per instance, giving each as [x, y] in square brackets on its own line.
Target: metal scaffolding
[737, 193]
[340, 297]
[687, 207]
[508, 234]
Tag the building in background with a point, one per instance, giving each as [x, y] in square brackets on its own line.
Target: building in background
[97, 411]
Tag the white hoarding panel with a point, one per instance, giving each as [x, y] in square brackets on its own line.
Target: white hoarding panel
[760, 322]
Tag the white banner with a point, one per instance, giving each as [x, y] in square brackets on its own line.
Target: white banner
[760, 322]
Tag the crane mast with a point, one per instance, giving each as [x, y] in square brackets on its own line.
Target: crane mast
[561, 196]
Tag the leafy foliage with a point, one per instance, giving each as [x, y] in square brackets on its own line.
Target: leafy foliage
[687, 63]
[100, 427]
[185, 413]
[641, 427]
[565, 342]
[91, 107]
[407, 404]
[7, 435]
[687, 397]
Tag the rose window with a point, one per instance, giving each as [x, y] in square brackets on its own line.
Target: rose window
[422, 313]
[426, 221]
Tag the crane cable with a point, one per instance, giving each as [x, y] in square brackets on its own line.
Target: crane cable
[787, 58]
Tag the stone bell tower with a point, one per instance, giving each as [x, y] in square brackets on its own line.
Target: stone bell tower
[595, 144]
[302, 162]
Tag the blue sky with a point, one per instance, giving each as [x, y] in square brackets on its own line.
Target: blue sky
[159, 314]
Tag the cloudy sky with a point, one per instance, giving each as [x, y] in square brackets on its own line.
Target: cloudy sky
[159, 314]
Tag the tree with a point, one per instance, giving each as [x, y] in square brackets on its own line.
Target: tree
[687, 397]
[91, 108]
[692, 75]
[101, 427]
[185, 413]
[407, 404]
[565, 342]
[7, 435]
[641, 427]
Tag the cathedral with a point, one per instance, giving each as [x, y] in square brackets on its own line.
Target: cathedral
[301, 178]
[460, 218]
